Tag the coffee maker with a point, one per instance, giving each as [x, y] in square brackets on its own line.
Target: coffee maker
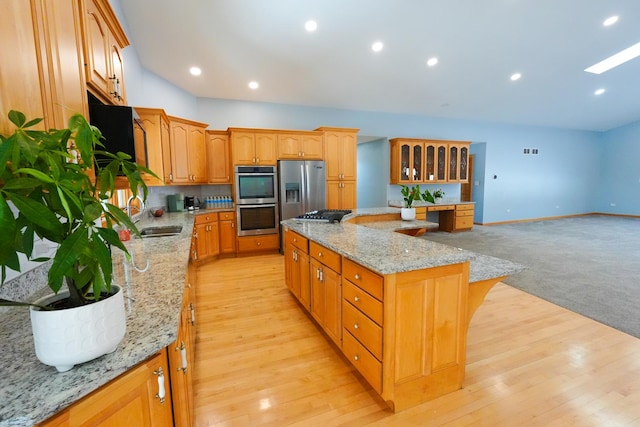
[191, 203]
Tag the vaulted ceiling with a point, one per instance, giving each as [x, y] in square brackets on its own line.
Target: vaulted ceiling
[479, 45]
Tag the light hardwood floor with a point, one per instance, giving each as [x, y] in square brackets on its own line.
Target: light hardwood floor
[261, 361]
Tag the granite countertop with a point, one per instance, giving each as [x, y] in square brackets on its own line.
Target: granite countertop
[382, 250]
[30, 392]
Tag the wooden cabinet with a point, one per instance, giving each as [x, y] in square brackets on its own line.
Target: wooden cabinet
[42, 74]
[340, 153]
[188, 151]
[253, 147]
[341, 194]
[140, 397]
[326, 290]
[458, 217]
[296, 254]
[104, 40]
[407, 161]
[300, 146]
[251, 244]
[218, 158]
[227, 230]
[156, 125]
[206, 236]
[440, 162]
[181, 361]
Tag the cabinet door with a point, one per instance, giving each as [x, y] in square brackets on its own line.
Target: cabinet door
[441, 163]
[464, 163]
[348, 195]
[340, 155]
[180, 365]
[227, 236]
[333, 194]
[128, 400]
[243, 148]
[117, 75]
[332, 305]
[202, 241]
[317, 292]
[179, 152]
[213, 238]
[454, 162]
[349, 156]
[97, 50]
[430, 161]
[166, 151]
[304, 279]
[197, 155]
[312, 147]
[289, 146]
[265, 149]
[289, 264]
[218, 159]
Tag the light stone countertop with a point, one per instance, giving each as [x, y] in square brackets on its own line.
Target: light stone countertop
[379, 248]
[30, 392]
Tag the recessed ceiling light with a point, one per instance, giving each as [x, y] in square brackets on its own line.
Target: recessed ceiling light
[253, 85]
[432, 61]
[599, 91]
[615, 60]
[515, 76]
[311, 26]
[610, 21]
[377, 46]
[195, 71]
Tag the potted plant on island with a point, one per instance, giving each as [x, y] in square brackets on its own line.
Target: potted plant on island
[411, 194]
[46, 176]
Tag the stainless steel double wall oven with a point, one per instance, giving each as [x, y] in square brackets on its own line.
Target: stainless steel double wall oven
[257, 200]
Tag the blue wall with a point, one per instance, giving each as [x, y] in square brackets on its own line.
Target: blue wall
[575, 171]
[373, 173]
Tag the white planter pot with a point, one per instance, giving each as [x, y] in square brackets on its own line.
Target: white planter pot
[408, 214]
[64, 338]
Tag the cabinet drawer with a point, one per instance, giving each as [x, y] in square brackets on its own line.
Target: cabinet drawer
[465, 207]
[363, 278]
[258, 243]
[363, 329]
[363, 361]
[464, 213]
[362, 301]
[204, 218]
[434, 208]
[325, 256]
[298, 241]
[464, 222]
[226, 216]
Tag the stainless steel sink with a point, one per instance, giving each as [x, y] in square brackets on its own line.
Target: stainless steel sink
[167, 230]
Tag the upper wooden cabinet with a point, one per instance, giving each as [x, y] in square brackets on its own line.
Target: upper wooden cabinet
[42, 72]
[340, 153]
[188, 151]
[156, 126]
[218, 157]
[428, 161]
[250, 147]
[300, 146]
[104, 40]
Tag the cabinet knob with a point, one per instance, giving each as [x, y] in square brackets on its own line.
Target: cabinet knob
[357, 276]
[259, 243]
[319, 254]
[233, 225]
[356, 357]
[356, 326]
[356, 298]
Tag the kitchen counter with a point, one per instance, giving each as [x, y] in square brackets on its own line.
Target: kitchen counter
[31, 392]
[378, 247]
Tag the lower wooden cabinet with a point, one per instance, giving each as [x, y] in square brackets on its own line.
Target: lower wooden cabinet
[206, 236]
[297, 267]
[326, 290]
[139, 397]
[227, 230]
[454, 217]
[268, 242]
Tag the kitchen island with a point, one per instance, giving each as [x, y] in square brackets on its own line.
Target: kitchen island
[397, 306]
[31, 392]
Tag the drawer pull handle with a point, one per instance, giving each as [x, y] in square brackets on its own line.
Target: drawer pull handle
[161, 392]
[356, 298]
[319, 253]
[356, 326]
[356, 357]
[357, 276]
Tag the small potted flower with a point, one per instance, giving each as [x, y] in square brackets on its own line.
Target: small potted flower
[438, 195]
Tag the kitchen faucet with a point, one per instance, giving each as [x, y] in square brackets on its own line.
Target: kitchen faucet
[129, 207]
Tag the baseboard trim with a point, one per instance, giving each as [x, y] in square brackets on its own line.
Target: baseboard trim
[554, 217]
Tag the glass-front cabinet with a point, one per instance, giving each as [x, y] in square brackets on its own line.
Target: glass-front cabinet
[406, 161]
[428, 161]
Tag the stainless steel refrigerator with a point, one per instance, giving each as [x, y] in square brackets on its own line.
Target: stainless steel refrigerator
[302, 188]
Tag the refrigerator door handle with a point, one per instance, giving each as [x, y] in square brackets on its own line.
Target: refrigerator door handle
[304, 185]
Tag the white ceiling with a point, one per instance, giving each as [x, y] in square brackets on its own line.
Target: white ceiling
[479, 43]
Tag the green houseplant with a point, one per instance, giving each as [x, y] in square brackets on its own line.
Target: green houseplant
[46, 176]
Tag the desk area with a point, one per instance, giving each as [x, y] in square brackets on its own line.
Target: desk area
[457, 216]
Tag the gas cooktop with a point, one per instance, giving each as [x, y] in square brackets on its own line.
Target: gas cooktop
[324, 215]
